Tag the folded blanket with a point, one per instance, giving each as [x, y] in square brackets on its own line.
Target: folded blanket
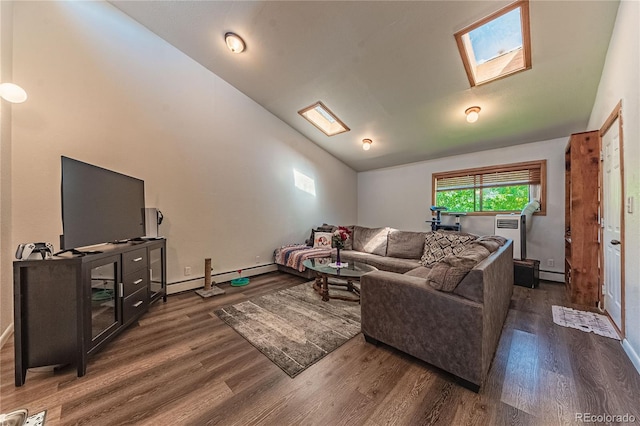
[292, 256]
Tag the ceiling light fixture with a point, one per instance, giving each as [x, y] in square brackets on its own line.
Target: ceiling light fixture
[235, 43]
[366, 144]
[12, 93]
[472, 114]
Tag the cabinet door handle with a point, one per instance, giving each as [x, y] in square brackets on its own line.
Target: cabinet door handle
[137, 259]
[138, 303]
[615, 242]
[121, 289]
[138, 281]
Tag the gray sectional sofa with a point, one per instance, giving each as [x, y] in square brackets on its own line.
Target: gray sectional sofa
[441, 297]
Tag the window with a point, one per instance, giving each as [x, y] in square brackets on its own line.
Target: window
[488, 190]
[498, 45]
[321, 117]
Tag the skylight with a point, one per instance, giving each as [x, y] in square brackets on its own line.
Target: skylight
[321, 117]
[498, 45]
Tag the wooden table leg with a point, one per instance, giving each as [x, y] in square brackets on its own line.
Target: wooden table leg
[325, 288]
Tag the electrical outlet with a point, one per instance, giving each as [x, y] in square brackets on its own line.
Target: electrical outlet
[257, 259]
[187, 270]
[550, 262]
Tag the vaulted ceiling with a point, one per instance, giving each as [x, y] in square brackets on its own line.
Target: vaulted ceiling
[391, 69]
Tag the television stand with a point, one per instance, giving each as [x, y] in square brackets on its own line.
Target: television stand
[77, 252]
[68, 308]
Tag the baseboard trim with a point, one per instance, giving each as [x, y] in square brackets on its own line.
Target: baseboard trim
[552, 276]
[6, 335]
[196, 283]
[632, 354]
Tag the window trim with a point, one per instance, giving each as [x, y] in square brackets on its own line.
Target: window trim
[526, 41]
[541, 164]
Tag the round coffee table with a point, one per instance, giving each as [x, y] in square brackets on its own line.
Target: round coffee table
[352, 272]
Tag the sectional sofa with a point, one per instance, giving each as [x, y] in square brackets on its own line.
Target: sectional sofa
[441, 297]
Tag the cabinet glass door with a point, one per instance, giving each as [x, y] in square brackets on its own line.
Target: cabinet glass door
[104, 299]
[157, 272]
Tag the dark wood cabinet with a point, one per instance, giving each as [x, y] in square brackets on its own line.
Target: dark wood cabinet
[68, 308]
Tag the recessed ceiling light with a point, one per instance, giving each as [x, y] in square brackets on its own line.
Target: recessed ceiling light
[12, 93]
[235, 43]
[366, 144]
[472, 114]
[321, 117]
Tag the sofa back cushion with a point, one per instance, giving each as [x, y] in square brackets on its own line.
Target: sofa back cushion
[438, 244]
[370, 240]
[405, 244]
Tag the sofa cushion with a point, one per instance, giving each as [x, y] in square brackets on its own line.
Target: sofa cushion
[438, 244]
[322, 239]
[393, 264]
[447, 274]
[420, 272]
[390, 264]
[491, 242]
[405, 244]
[370, 240]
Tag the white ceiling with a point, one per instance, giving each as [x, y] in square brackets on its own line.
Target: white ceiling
[391, 69]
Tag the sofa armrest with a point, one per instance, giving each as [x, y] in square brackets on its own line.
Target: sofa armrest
[440, 328]
[497, 289]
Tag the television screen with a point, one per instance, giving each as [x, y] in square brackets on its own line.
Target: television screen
[99, 205]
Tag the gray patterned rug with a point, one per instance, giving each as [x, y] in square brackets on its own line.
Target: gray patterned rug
[294, 328]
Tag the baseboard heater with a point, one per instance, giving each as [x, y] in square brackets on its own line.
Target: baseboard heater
[198, 282]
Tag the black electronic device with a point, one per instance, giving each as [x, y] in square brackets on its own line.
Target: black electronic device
[99, 205]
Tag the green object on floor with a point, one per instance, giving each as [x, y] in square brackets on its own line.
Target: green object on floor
[239, 282]
[101, 295]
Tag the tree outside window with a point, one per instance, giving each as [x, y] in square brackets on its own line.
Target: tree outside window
[495, 189]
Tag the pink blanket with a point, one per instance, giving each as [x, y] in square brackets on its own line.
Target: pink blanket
[293, 256]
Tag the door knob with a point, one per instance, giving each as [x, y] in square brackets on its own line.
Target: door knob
[615, 242]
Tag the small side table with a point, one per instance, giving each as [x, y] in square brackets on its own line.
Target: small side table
[526, 272]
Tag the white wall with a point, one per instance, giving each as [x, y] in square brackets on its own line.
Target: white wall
[400, 197]
[620, 81]
[6, 254]
[105, 90]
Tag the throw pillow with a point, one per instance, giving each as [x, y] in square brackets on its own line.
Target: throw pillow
[322, 239]
[475, 252]
[438, 244]
[322, 228]
[445, 277]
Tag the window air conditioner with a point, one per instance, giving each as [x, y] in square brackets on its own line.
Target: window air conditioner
[512, 226]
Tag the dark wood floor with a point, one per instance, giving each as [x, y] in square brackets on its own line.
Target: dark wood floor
[182, 365]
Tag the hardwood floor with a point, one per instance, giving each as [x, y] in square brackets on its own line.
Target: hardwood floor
[182, 365]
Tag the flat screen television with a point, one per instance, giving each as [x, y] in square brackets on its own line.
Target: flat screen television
[99, 205]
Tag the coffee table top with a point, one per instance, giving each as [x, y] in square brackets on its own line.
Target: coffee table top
[352, 270]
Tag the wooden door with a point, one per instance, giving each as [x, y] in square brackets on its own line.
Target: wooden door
[612, 241]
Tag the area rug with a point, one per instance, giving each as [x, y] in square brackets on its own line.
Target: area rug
[294, 328]
[585, 321]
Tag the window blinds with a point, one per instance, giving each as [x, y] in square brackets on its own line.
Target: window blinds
[489, 177]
